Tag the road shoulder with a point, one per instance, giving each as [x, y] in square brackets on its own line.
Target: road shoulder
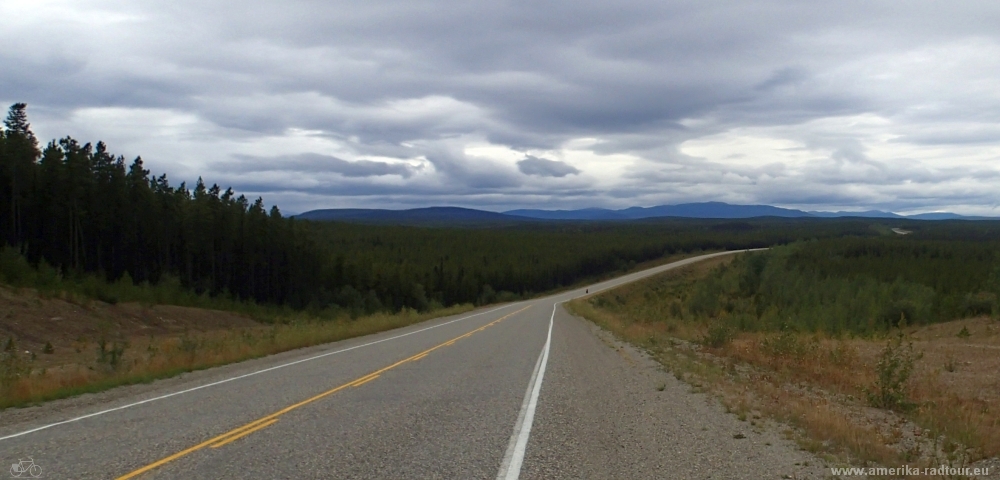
[608, 410]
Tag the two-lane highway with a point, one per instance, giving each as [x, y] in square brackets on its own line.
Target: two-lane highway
[455, 397]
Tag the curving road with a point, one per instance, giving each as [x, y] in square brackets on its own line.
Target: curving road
[521, 390]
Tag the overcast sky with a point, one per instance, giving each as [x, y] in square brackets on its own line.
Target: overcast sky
[545, 104]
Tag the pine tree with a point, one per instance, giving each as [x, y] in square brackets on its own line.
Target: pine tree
[17, 159]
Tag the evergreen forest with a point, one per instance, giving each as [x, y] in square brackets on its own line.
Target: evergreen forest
[855, 285]
[75, 212]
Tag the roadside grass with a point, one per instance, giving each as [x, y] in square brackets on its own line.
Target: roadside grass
[819, 382]
[144, 359]
[110, 324]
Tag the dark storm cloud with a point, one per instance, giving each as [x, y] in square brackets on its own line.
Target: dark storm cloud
[545, 168]
[405, 87]
[316, 163]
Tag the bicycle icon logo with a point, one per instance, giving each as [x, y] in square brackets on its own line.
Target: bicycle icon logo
[22, 467]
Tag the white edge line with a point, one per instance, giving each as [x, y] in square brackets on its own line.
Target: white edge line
[148, 400]
[509, 454]
[510, 466]
[510, 469]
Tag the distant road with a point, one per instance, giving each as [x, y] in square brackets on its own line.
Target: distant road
[518, 390]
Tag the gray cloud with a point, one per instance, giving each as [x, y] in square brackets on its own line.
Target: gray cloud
[545, 168]
[316, 163]
[881, 104]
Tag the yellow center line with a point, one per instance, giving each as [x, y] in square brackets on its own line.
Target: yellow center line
[370, 376]
[362, 382]
[243, 434]
[268, 420]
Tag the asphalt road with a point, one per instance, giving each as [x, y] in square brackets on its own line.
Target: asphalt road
[518, 390]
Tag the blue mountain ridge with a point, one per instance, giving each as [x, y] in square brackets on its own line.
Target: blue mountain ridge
[864, 214]
[684, 210]
[707, 210]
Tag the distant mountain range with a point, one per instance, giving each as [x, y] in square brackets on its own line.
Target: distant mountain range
[718, 210]
[684, 210]
[881, 214]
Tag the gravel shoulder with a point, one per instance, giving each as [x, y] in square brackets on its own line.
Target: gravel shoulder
[607, 410]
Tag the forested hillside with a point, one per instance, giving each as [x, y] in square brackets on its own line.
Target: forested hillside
[410, 265]
[74, 210]
[859, 285]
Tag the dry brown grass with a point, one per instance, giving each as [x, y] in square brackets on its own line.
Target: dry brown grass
[160, 340]
[76, 367]
[817, 383]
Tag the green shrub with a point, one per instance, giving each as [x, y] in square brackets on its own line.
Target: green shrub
[111, 356]
[704, 301]
[12, 365]
[898, 314]
[786, 344]
[980, 303]
[718, 336]
[504, 296]
[49, 277]
[893, 370]
[14, 268]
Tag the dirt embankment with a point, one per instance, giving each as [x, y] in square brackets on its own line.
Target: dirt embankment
[59, 347]
[74, 326]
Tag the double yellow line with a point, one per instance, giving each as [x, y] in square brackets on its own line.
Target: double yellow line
[264, 422]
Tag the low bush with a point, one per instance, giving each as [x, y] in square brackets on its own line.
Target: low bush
[893, 370]
[718, 336]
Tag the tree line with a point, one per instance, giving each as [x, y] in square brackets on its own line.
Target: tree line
[857, 285]
[77, 210]
[80, 209]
